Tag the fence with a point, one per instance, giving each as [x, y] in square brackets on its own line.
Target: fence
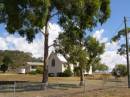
[62, 89]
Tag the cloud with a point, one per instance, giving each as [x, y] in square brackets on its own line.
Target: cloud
[54, 30]
[12, 42]
[3, 44]
[110, 56]
[99, 36]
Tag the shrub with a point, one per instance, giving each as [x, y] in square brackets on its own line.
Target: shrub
[51, 74]
[76, 71]
[39, 70]
[60, 74]
[33, 72]
[119, 71]
[4, 68]
[67, 73]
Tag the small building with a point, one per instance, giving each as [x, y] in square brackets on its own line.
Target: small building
[21, 70]
[31, 66]
[57, 64]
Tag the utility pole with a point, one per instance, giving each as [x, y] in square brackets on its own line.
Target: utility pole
[127, 51]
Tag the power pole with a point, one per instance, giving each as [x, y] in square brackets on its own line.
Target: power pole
[127, 51]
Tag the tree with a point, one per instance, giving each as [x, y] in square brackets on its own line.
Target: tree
[76, 52]
[6, 62]
[94, 49]
[117, 37]
[119, 70]
[28, 17]
[4, 68]
[73, 51]
[19, 58]
[102, 67]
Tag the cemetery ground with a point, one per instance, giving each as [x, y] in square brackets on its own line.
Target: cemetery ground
[95, 86]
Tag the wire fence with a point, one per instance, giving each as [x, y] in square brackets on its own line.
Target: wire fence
[62, 89]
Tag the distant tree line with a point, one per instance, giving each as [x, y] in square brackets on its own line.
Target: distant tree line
[17, 58]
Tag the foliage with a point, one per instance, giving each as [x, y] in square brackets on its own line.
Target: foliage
[120, 70]
[6, 62]
[79, 50]
[18, 58]
[52, 74]
[34, 14]
[94, 49]
[39, 70]
[76, 71]
[4, 68]
[102, 67]
[67, 73]
[33, 72]
[117, 37]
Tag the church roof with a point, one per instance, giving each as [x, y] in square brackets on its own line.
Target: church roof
[61, 58]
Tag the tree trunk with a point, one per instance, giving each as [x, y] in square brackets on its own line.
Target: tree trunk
[81, 77]
[45, 67]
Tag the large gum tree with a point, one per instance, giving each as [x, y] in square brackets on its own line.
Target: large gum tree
[28, 17]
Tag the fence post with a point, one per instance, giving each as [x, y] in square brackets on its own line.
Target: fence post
[14, 89]
[84, 88]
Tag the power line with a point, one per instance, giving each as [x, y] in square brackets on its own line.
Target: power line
[119, 27]
[128, 18]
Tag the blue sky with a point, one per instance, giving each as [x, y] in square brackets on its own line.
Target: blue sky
[119, 9]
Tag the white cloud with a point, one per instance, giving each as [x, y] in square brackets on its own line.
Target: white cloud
[99, 36]
[112, 46]
[110, 56]
[54, 30]
[36, 47]
[3, 44]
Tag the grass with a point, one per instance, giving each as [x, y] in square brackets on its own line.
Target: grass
[66, 87]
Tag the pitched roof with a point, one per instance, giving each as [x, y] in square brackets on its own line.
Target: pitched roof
[61, 58]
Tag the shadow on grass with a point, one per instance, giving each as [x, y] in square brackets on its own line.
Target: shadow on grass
[21, 86]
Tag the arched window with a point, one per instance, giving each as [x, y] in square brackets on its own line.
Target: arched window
[53, 63]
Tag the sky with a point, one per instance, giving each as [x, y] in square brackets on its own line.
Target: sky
[104, 33]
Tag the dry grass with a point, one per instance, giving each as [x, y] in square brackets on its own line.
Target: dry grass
[35, 78]
[94, 88]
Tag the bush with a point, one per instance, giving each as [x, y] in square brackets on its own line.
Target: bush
[51, 74]
[33, 72]
[76, 71]
[39, 70]
[4, 68]
[67, 73]
[119, 71]
[60, 74]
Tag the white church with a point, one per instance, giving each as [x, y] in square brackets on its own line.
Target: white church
[56, 64]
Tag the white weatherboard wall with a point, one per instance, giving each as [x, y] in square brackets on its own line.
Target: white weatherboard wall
[58, 65]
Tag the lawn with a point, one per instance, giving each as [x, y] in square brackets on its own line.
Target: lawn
[68, 87]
